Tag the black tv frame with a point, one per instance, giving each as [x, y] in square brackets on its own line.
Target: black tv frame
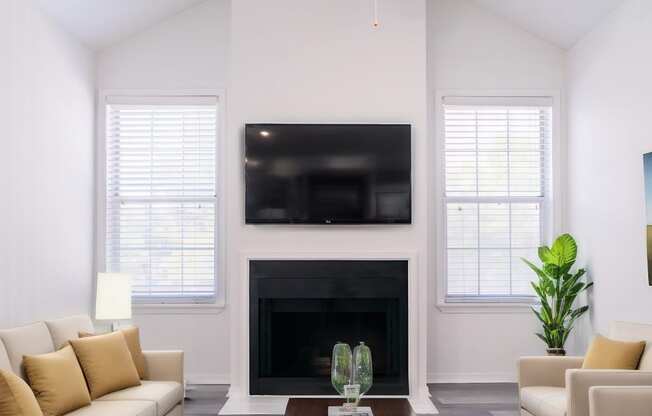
[257, 221]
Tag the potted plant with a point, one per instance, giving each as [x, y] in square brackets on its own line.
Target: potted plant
[557, 288]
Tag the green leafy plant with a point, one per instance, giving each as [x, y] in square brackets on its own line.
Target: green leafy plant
[557, 288]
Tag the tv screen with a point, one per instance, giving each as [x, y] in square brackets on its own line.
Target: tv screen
[327, 173]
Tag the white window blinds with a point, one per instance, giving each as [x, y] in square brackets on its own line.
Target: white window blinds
[161, 196]
[497, 158]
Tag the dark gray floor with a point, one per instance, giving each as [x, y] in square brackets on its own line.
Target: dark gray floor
[494, 399]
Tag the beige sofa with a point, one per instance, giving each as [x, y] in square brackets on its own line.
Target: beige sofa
[557, 386]
[620, 400]
[161, 394]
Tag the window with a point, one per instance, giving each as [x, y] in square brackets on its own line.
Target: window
[496, 194]
[160, 206]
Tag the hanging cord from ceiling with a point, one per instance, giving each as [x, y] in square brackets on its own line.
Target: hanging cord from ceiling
[376, 22]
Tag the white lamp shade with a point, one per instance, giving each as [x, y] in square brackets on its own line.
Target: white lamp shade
[113, 300]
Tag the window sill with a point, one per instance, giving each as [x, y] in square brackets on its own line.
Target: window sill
[178, 308]
[475, 307]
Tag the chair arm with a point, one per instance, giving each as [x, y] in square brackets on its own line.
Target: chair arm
[164, 365]
[578, 383]
[545, 370]
[620, 400]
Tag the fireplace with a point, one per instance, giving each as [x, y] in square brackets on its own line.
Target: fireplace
[300, 308]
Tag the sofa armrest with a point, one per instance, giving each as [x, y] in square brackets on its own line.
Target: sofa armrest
[578, 383]
[164, 365]
[545, 370]
[620, 400]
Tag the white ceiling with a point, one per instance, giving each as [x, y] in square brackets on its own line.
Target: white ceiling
[100, 23]
[562, 22]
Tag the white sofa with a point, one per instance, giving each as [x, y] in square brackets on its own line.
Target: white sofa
[558, 386]
[160, 395]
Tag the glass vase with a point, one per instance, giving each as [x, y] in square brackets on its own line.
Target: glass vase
[363, 373]
[341, 367]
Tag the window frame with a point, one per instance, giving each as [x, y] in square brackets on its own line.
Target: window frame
[551, 204]
[162, 307]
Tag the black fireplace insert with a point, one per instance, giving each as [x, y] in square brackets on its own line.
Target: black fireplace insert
[299, 309]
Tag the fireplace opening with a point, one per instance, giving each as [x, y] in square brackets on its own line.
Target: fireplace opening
[304, 331]
[300, 309]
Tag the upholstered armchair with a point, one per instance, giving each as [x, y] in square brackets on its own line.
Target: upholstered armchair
[620, 400]
[558, 386]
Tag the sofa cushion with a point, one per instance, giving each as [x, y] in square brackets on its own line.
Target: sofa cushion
[57, 381]
[630, 331]
[65, 329]
[16, 398]
[608, 354]
[166, 394]
[132, 336]
[117, 408]
[32, 339]
[4, 358]
[544, 401]
[106, 362]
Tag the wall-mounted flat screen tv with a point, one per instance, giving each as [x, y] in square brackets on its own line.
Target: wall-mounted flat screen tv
[328, 174]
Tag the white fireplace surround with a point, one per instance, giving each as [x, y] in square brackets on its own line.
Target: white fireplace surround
[241, 402]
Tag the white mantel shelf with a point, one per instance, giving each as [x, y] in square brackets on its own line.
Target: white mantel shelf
[240, 402]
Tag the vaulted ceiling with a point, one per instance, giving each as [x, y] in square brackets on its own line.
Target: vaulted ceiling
[100, 23]
[561, 22]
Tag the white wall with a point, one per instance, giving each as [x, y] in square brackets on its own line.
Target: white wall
[46, 168]
[186, 51]
[610, 104]
[292, 60]
[469, 48]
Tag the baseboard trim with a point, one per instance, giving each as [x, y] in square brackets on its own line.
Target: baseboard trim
[471, 378]
[199, 378]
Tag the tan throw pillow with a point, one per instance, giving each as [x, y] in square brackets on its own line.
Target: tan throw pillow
[605, 353]
[16, 398]
[106, 362]
[132, 336]
[57, 381]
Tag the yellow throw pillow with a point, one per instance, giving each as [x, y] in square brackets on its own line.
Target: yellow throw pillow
[605, 353]
[132, 336]
[106, 362]
[57, 381]
[16, 398]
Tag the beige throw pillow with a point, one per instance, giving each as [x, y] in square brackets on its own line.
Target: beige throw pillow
[132, 336]
[57, 381]
[16, 398]
[106, 362]
[605, 353]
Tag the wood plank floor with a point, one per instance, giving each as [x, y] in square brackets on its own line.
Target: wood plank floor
[491, 399]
